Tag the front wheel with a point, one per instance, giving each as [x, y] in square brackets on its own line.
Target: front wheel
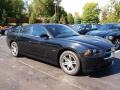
[70, 63]
[14, 49]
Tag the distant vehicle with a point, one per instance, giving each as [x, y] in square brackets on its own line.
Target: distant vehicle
[110, 32]
[3, 29]
[84, 28]
[60, 45]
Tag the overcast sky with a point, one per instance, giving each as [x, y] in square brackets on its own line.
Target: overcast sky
[72, 6]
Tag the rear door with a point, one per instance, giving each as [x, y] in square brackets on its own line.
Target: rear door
[25, 38]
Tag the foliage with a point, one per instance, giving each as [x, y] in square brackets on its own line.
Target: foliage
[32, 18]
[43, 8]
[63, 20]
[91, 13]
[70, 19]
[112, 12]
[11, 8]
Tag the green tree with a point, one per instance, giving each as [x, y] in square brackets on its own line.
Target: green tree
[43, 8]
[32, 18]
[70, 19]
[3, 12]
[63, 20]
[11, 8]
[90, 13]
[17, 7]
[113, 12]
[60, 12]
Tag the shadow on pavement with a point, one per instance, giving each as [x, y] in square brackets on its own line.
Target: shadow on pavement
[114, 69]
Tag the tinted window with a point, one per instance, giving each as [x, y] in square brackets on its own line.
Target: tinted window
[16, 29]
[109, 27]
[88, 26]
[27, 30]
[60, 30]
[39, 30]
[103, 27]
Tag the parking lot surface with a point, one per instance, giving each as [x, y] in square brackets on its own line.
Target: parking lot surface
[29, 74]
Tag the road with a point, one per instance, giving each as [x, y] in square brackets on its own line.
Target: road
[28, 74]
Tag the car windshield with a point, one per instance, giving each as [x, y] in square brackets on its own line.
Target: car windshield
[60, 31]
[78, 27]
[110, 27]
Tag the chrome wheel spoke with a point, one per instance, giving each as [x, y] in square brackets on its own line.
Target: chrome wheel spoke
[70, 58]
[65, 58]
[65, 63]
[14, 49]
[72, 67]
[74, 62]
[69, 62]
[68, 68]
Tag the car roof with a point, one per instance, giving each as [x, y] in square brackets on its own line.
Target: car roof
[42, 24]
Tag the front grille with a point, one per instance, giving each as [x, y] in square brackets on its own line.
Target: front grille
[108, 50]
[107, 53]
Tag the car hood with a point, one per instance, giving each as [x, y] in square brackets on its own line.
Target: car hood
[91, 41]
[103, 33]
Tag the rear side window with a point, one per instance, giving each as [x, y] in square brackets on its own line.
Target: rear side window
[39, 30]
[27, 30]
[15, 29]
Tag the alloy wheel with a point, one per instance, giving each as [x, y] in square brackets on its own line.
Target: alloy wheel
[14, 49]
[70, 63]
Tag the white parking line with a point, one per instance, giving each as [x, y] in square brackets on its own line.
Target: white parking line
[51, 75]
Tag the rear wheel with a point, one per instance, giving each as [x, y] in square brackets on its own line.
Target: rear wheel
[14, 49]
[70, 63]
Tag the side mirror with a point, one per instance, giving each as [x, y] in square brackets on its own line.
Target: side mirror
[45, 36]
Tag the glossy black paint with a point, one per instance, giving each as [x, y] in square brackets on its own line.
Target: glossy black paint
[49, 49]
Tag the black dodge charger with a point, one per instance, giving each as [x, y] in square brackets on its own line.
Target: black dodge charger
[60, 45]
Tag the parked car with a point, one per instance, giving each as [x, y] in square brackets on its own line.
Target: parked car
[110, 32]
[84, 28]
[60, 45]
[4, 29]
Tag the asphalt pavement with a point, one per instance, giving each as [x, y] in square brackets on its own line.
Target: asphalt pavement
[24, 73]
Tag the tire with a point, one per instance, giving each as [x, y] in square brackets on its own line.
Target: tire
[70, 63]
[14, 49]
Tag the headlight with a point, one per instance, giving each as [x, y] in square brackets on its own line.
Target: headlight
[91, 52]
[109, 37]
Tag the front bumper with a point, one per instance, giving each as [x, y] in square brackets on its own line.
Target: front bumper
[91, 64]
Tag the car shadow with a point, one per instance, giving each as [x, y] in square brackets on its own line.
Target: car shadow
[114, 69]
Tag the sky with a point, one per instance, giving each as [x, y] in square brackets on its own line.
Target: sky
[72, 6]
